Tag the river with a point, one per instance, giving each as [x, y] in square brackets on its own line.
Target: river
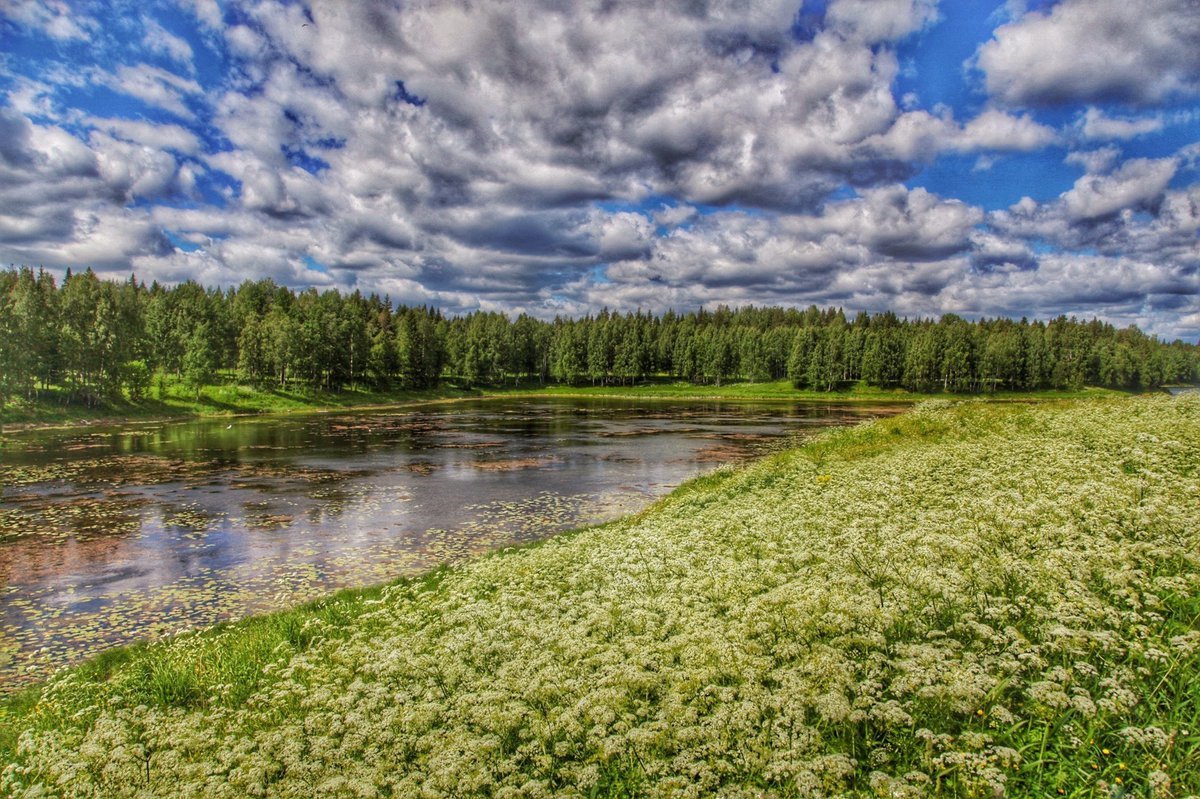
[115, 534]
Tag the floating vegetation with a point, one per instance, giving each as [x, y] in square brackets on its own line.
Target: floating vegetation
[640, 432]
[78, 519]
[729, 454]
[190, 517]
[617, 457]
[515, 464]
[272, 521]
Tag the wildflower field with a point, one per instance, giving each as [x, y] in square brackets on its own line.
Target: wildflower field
[970, 599]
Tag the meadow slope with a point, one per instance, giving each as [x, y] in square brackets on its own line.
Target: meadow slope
[966, 600]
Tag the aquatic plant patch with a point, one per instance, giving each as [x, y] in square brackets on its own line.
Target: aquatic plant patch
[966, 600]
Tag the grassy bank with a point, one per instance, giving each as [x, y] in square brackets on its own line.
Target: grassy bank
[971, 599]
[174, 400]
[177, 401]
[784, 390]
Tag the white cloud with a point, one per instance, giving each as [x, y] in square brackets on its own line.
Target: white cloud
[470, 156]
[104, 237]
[133, 170]
[271, 188]
[245, 42]
[47, 152]
[792, 257]
[1083, 285]
[158, 136]
[1095, 50]
[160, 40]
[676, 215]
[1095, 161]
[1136, 183]
[1094, 124]
[1128, 215]
[208, 12]
[997, 130]
[897, 222]
[153, 86]
[32, 98]
[991, 251]
[881, 20]
[623, 235]
[921, 136]
[56, 18]
[62, 200]
[583, 100]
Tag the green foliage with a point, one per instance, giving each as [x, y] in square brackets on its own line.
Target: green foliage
[199, 359]
[80, 340]
[136, 378]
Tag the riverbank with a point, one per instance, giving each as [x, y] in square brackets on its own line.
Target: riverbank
[238, 400]
[115, 535]
[214, 402]
[970, 598]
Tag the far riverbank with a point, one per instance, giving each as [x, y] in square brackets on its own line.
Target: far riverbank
[230, 400]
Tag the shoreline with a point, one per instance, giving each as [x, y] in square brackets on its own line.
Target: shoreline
[737, 392]
[59, 437]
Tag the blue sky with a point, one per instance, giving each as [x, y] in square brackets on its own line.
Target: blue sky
[978, 157]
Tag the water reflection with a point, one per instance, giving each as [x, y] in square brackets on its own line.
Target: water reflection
[111, 535]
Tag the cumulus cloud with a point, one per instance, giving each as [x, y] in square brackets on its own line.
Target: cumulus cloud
[881, 20]
[550, 158]
[38, 156]
[1127, 214]
[158, 39]
[1095, 124]
[1095, 50]
[717, 108]
[103, 237]
[921, 136]
[888, 242]
[157, 136]
[62, 200]
[1137, 183]
[1094, 161]
[56, 18]
[133, 170]
[154, 86]
[991, 252]
[997, 130]
[896, 222]
[208, 12]
[676, 215]
[1123, 290]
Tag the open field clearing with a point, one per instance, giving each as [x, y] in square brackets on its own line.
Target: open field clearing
[969, 599]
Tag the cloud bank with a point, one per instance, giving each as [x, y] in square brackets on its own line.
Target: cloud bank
[553, 158]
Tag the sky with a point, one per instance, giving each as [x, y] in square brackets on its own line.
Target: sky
[976, 157]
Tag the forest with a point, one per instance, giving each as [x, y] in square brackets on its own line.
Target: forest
[92, 340]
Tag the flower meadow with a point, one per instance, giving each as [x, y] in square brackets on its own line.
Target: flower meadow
[970, 599]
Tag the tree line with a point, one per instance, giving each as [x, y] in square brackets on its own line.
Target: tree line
[95, 340]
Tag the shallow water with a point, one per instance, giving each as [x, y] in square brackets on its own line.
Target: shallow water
[110, 535]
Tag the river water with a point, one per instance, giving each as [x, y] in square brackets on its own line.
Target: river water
[116, 534]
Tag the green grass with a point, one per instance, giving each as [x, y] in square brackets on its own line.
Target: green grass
[230, 398]
[784, 390]
[226, 659]
[216, 400]
[970, 599]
